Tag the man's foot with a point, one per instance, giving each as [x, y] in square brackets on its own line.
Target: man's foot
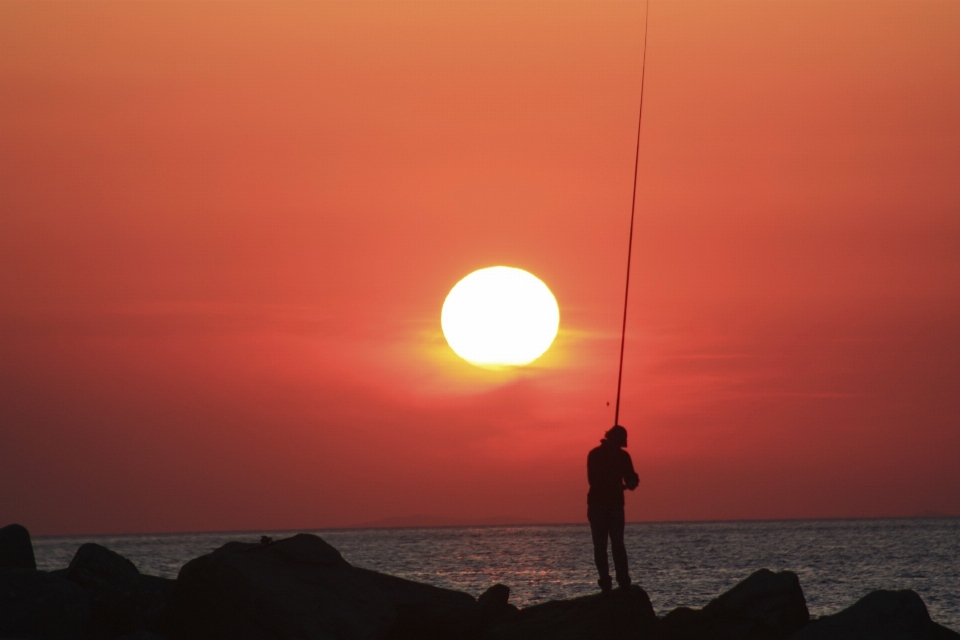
[624, 584]
[606, 585]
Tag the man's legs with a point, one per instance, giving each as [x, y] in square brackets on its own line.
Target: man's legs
[600, 529]
[616, 524]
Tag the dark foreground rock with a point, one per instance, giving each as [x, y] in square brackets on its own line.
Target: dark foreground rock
[880, 615]
[16, 550]
[301, 587]
[100, 595]
[36, 604]
[495, 606]
[764, 606]
[122, 599]
[623, 614]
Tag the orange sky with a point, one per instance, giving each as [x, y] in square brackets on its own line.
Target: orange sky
[227, 229]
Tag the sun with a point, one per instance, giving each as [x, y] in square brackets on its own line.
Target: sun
[500, 317]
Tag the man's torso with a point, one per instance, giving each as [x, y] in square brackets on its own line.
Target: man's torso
[606, 468]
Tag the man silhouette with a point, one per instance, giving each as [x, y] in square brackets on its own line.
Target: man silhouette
[609, 471]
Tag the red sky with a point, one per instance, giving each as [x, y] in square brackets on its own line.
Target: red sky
[227, 229]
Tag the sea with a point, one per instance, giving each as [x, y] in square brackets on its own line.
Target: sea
[678, 564]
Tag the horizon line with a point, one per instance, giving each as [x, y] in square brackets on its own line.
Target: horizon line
[367, 526]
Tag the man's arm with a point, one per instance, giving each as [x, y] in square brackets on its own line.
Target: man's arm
[630, 477]
[592, 469]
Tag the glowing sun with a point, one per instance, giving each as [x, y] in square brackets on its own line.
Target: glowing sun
[500, 317]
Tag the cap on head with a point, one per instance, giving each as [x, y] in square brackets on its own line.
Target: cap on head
[616, 434]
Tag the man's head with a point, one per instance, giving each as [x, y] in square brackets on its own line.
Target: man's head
[616, 436]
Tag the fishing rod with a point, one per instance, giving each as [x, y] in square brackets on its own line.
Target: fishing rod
[633, 209]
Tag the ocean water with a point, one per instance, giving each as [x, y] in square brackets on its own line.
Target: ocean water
[838, 561]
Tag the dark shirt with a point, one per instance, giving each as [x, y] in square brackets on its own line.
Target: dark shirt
[609, 469]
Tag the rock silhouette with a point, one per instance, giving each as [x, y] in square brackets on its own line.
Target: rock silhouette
[301, 587]
[764, 605]
[495, 605]
[16, 550]
[879, 615]
[625, 613]
[36, 604]
[100, 595]
[122, 599]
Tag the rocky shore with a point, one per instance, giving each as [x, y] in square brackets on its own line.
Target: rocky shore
[302, 588]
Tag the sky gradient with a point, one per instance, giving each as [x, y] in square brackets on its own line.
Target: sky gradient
[227, 230]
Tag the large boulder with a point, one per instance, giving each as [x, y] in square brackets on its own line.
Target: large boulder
[764, 606]
[424, 611]
[495, 605]
[122, 599]
[620, 615]
[16, 550]
[301, 587]
[879, 615]
[38, 605]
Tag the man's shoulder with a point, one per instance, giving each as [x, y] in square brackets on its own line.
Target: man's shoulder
[626, 463]
[598, 450]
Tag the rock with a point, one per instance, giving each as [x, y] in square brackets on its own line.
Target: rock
[123, 601]
[36, 604]
[301, 587]
[623, 614]
[775, 600]
[16, 550]
[143, 635]
[97, 566]
[764, 606]
[495, 606]
[880, 615]
[425, 611]
[496, 597]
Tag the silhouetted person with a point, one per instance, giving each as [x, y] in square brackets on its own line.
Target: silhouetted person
[610, 471]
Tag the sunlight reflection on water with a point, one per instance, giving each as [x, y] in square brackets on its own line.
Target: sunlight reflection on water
[838, 561]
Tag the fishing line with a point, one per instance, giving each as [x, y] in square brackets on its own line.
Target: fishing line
[633, 209]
